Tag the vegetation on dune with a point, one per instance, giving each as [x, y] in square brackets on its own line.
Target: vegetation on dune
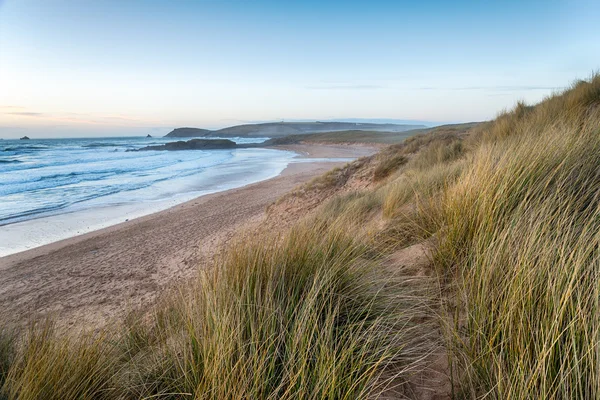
[521, 234]
[350, 136]
[7, 354]
[308, 317]
[51, 366]
[510, 213]
[372, 137]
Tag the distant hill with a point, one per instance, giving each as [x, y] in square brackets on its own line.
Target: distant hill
[353, 136]
[359, 136]
[188, 132]
[280, 129]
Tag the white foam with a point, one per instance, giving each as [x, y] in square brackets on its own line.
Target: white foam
[244, 168]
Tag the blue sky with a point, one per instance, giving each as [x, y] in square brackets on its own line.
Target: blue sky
[77, 68]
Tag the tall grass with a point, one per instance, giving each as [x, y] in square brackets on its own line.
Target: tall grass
[308, 317]
[513, 213]
[7, 353]
[388, 165]
[53, 367]
[416, 187]
[521, 232]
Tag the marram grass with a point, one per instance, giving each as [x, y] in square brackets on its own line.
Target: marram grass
[522, 230]
[512, 213]
[306, 316]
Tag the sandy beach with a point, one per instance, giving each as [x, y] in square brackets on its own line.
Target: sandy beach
[87, 280]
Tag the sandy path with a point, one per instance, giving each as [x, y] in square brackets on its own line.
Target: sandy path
[88, 280]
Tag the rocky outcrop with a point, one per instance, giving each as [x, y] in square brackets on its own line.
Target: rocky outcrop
[25, 138]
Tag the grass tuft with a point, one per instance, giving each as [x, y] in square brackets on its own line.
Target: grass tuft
[521, 235]
[52, 367]
[308, 317]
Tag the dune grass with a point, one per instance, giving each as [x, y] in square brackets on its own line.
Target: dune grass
[511, 212]
[57, 367]
[7, 354]
[385, 168]
[349, 136]
[308, 317]
[522, 233]
[515, 212]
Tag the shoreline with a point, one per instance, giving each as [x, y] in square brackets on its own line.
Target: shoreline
[102, 209]
[37, 231]
[89, 279]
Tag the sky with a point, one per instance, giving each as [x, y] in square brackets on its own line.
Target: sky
[100, 68]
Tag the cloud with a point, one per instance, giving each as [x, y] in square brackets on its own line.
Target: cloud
[18, 111]
[345, 87]
[121, 118]
[25, 113]
[100, 120]
[495, 88]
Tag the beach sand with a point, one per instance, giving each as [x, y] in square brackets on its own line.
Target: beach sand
[89, 280]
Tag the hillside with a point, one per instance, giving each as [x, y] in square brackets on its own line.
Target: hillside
[367, 137]
[462, 262]
[188, 132]
[280, 129]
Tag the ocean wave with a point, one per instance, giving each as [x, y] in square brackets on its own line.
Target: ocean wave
[59, 176]
[23, 215]
[51, 208]
[25, 149]
[92, 145]
[39, 180]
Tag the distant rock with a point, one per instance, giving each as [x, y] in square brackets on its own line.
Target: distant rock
[148, 136]
[194, 144]
[25, 138]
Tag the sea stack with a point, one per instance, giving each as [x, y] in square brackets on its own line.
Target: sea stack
[25, 138]
[148, 136]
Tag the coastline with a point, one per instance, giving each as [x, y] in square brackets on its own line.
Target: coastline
[121, 192]
[89, 279]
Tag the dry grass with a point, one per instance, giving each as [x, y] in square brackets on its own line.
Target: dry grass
[389, 165]
[516, 212]
[336, 178]
[521, 234]
[7, 353]
[52, 367]
[512, 208]
[309, 317]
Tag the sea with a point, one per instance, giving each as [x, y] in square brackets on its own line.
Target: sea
[52, 189]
